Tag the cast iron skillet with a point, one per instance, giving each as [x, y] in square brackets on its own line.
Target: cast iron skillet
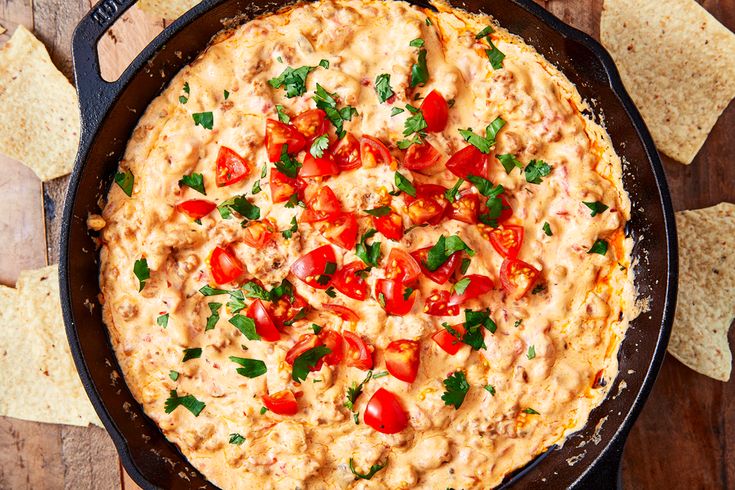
[110, 111]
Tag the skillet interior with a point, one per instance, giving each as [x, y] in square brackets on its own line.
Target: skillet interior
[111, 111]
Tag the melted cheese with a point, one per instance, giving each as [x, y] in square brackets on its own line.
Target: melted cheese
[575, 326]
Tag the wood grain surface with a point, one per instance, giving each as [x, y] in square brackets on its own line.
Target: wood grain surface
[684, 439]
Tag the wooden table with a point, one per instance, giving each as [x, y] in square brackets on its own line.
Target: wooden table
[684, 439]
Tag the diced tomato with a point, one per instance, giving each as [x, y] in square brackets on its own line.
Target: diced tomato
[305, 342]
[264, 325]
[447, 341]
[196, 208]
[517, 277]
[278, 134]
[318, 167]
[468, 161]
[436, 304]
[391, 294]
[421, 156]
[478, 286]
[373, 152]
[282, 186]
[402, 359]
[314, 267]
[402, 267]
[311, 124]
[384, 413]
[322, 205]
[465, 207]
[258, 234]
[436, 112]
[335, 342]
[343, 312]
[346, 153]
[506, 239]
[429, 205]
[349, 282]
[444, 272]
[225, 266]
[390, 225]
[342, 230]
[506, 212]
[281, 403]
[359, 354]
[286, 308]
[231, 167]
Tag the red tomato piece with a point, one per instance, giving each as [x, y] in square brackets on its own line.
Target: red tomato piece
[421, 156]
[506, 239]
[391, 295]
[231, 167]
[335, 342]
[343, 312]
[506, 212]
[282, 186]
[390, 225]
[465, 207]
[444, 272]
[384, 413]
[436, 112]
[322, 205]
[258, 234]
[373, 152]
[196, 208]
[311, 124]
[305, 342]
[478, 286]
[285, 308]
[402, 267]
[359, 354]
[402, 359]
[342, 231]
[281, 403]
[346, 153]
[264, 325]
[349, 282]
[429, 206]
[318, 167]
[314, 268]
[517, 277]
[436, 304]
[224, 265]
[278, 134]
[447, 341]
[468, 161]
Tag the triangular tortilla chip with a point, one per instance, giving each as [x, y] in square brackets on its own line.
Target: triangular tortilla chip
[39, 381]
[168, 9]
[678, 64]
[39, 111]
[706, 302]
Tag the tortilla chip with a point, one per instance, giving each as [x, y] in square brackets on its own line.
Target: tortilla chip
[168, 9]
[678, 64]
[39, 381]
[2, 30]
[39, 113]
[706, 302]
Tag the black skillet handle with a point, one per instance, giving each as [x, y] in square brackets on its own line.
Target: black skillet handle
[95, 94]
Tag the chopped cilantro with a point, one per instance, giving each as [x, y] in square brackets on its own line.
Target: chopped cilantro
[213, 318]
[490, 389]
[417, 43]
[451, 194]
[383, 88]
[465, 265]
[530, 411]
[282, 116]
[263, 410]
[316, 328]
[162, 320]
[193, 353]
[292, 80]
[246, 325]
[354, 392]
[183, 99]
[456, 388]
[485, 32]
[287, 165]
[509, 162]
[461, 286]
[369, 254]
[494, 203]
[443, 249]
[125, 180]
[189, 402]
[226, 94]
[419, 71]
[142, 272]
[531, 352]
[599, 247]
[366, 476]
[404, 184]
[484, 144]
[194, 181]
[251, 368]
[596, 207]
[395, 111]
[495, 56]
[380, 211]
[210, 291]
[307, 360]
[324, 64]
[319, 145]
[547, 229]
[290, 231]
[256, 187]
[174, 375]
[328, 103]
[236, 439]
[535, 170]
[255, 290]
[203, 119]
[241, 206]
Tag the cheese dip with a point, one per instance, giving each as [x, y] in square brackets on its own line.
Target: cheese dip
[362, 244]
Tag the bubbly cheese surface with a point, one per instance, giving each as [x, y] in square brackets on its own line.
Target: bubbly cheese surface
[552, 347]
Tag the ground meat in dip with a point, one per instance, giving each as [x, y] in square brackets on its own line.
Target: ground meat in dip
[367, 245]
